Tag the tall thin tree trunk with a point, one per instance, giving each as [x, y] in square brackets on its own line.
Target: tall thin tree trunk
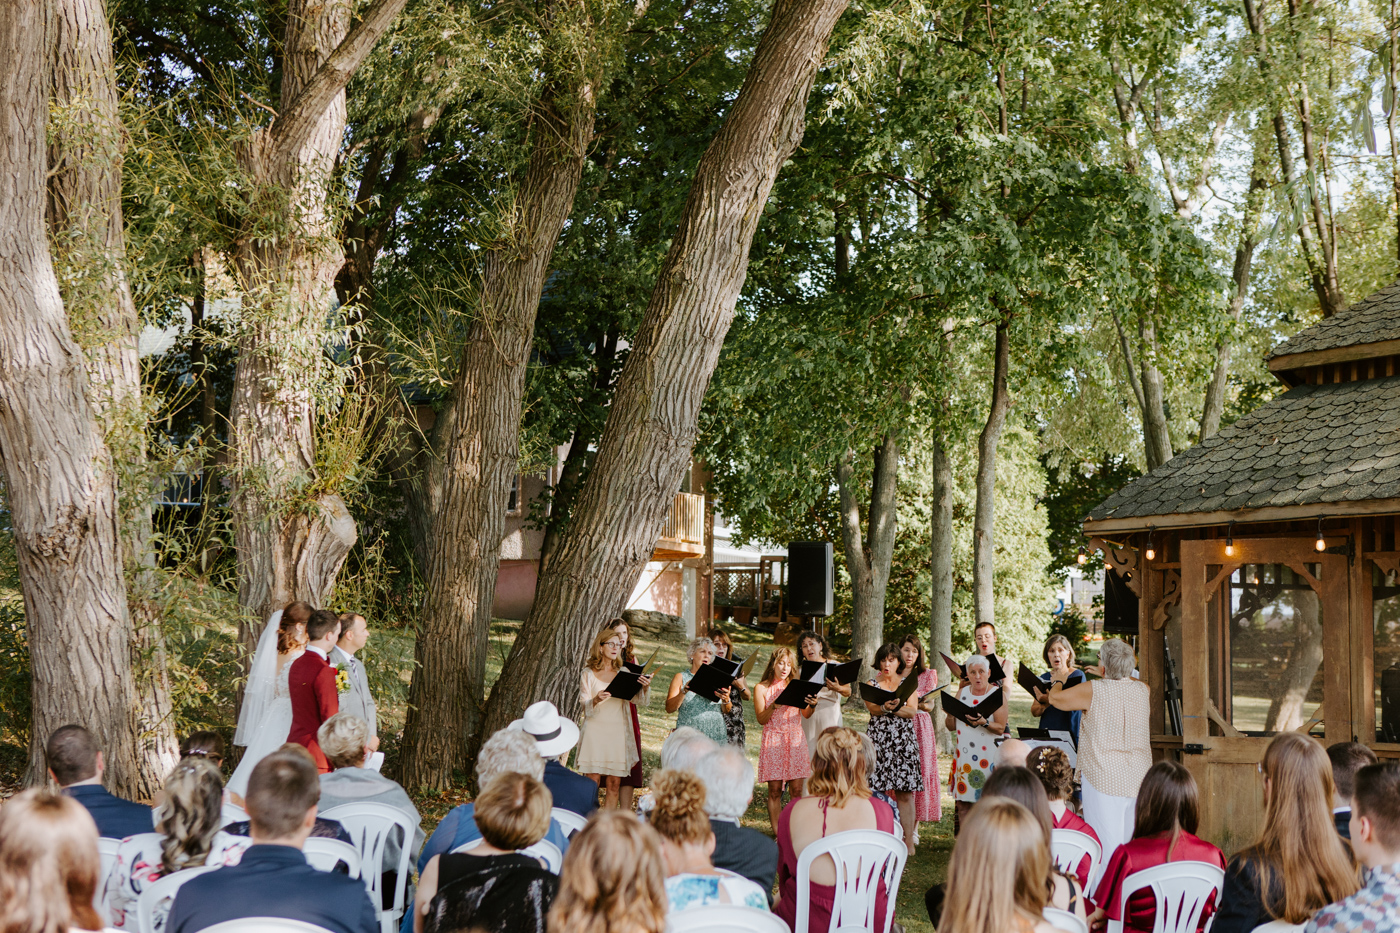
[482, 448]
[60, 484]
[1154, 424]
[650, 430]
[868, 555]
[983, 545]
[941, 572]
[89, 242]
[1392, 116]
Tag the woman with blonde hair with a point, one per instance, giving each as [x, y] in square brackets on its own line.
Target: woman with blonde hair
[614, 879]
[608, 747]
[688, 842]
[48, 865]
[1299, 863]
[188, 834]
[996, 877]
[634, 779]
[783, 757]
[838, 799]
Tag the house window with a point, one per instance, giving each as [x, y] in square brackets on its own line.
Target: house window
[513, 503]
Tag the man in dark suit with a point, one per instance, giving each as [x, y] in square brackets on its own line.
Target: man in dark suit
[273, 878]
[554, 736]
[311, 682]
[1347, 758]
[728, 778]
[76, 765]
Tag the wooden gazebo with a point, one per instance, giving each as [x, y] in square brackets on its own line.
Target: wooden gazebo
[1265, 560]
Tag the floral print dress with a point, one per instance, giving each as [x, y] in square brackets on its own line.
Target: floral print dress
[976, 755]
[928, 803]
[783, 755]
[896, 753]
[139, 863]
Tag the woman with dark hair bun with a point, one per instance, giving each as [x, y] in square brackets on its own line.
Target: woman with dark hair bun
[1052, 766]
[1167, 814]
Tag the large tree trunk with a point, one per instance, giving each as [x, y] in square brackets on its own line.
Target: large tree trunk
[941, 573]
[482, 446]
[983, 522]
[868, 556]
[291, 543]
[89, 243]
[59, 479]
[1154, 413]
[650, 431]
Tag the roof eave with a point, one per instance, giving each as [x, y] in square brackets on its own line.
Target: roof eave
[1281, 513]
[1360, 351]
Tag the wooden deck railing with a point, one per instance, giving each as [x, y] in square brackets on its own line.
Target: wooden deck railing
[687, 519]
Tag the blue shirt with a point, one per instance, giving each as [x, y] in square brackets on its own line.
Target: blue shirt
[1062, 720]
[115, 818]
[571, 791]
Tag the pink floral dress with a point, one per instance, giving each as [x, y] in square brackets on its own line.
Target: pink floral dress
[928, 803]
[783, 754]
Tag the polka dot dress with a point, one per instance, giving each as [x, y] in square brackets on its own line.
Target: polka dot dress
[976, 755]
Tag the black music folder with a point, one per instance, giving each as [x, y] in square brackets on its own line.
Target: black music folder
[997, 672]
[880, 696]
[1029, 682]
[797, 692]
[962, 712]
[709, 680]
[820, 671]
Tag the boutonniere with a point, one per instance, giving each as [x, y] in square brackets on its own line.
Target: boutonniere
[342, 679]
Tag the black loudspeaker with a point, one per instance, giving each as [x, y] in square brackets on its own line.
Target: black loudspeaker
[811, 578]
[1120, 605]
[1390, 703]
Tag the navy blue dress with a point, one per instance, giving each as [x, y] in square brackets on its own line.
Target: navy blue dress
[1059, 719]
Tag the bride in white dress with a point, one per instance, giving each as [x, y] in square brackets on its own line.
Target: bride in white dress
[266, 717]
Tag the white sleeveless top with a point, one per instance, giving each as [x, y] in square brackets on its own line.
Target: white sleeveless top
[1115, 740]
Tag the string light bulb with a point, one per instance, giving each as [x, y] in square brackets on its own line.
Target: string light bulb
[1082, 557]
[1230, 541]
[1321, 542]
[1150, 553]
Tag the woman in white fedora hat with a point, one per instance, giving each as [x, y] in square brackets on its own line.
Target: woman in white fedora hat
[554, 737]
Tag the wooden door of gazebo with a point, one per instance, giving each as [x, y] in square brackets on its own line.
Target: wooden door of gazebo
[1222, 692]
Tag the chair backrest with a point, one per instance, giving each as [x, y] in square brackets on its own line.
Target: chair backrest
[158, 892]
[107, 856]
[569, 821]
[1064, 920]
[1068, 848]
[232, 813]
[864, 858]
[265, 925]
[724, 918]
[369, 826]
[1181, 889]
[324, 854]
[549, 852]
[1279, 926]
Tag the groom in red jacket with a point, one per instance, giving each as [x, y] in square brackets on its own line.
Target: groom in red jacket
[312, 684]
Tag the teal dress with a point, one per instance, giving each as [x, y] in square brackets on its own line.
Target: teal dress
[699, 713]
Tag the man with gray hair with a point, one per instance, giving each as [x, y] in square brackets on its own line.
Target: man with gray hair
[508, 751]
[685, 747]
[727, 775]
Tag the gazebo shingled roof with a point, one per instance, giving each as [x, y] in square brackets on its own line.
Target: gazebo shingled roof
[1375, 319]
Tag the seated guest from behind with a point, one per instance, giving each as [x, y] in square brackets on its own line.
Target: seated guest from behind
[727, 775]
[838, 799]
[324, 828]
[872, 757]
[1168, 812]
[273, 879]
[614, 879]
[1347, 758]
[687, 841]
[509, 750]
[1375, 838]
[48, 865]
[189, 836]
[75, 763]
[1019, 784]
[1056, 774]
[491, 887]
[554, 736]
[996, 877]
[345, 740]
[684, 747]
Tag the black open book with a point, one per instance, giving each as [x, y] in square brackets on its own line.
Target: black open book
[797, 692]
[997, 673]
[709, 680]
[1029, 682]
[880, 696]
[962, 712]
[820, 671]
[628, 681]
[739, 667]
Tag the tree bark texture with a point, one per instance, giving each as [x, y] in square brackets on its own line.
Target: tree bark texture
[481, 448]
[983, 544]
[1155, 428]
[59, 480]
[941, 572]
[290, 544]
[89, 242]
[650, 430]
[868, 556]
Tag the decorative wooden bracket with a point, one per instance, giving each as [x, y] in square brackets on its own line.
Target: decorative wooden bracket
[1171, 596]
[1388, 561]
[1221, 721]
[1124, 563]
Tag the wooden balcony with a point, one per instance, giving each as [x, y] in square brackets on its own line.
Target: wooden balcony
[683, 535]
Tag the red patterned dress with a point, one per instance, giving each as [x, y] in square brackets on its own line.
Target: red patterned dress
[783, 754]
[928, 803]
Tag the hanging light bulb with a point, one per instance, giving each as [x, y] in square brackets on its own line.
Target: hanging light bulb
[1230, 541]
[1081, 557]
[1321, 542]
[1150, 553]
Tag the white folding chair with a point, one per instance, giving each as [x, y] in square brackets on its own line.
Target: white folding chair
[324, 854]
[160, 893]
[724, 918]
[232, 813]
[864, 858]
[1064, 920]
[569, 821]
[549, 852]
[1181, 889]
[1068, 848]
[369, 825]
[1280, 926]
[265, 925]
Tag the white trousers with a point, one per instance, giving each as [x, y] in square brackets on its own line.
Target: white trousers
[1111, 817]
